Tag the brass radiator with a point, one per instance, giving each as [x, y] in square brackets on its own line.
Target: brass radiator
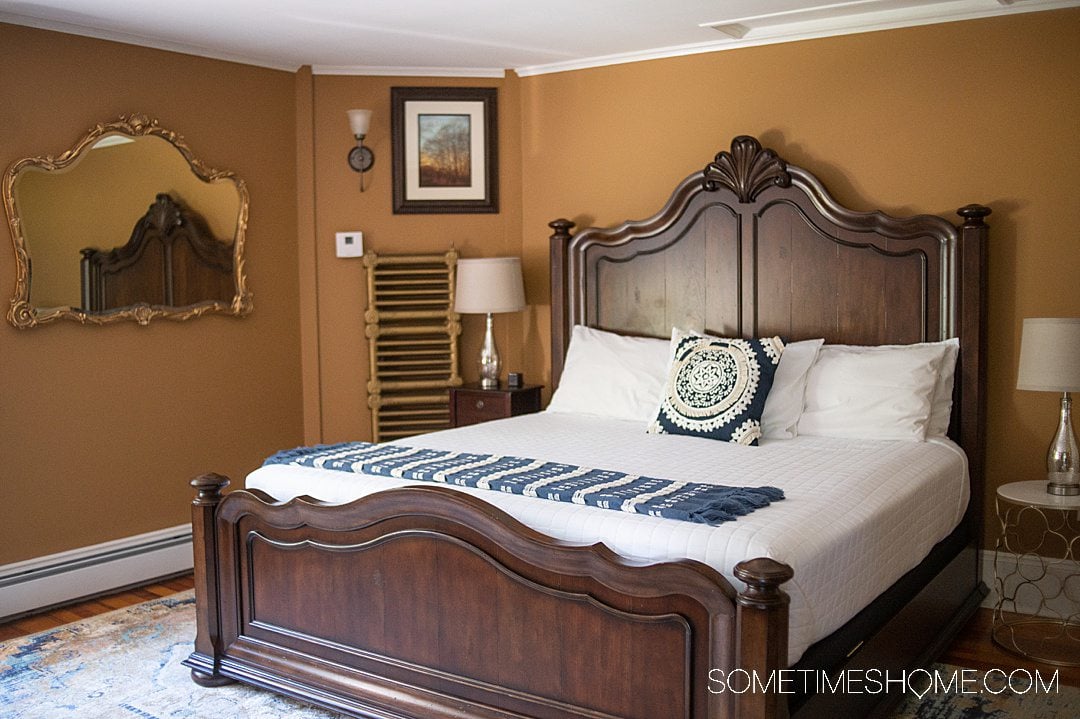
[412, 333]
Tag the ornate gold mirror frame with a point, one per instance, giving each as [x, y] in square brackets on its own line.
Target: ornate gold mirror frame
[23, 313]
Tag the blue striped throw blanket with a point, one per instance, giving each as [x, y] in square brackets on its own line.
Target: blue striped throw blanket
[688, 501]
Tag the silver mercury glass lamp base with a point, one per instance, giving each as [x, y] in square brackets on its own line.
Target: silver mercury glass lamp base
[1063, 458]
[489, 358]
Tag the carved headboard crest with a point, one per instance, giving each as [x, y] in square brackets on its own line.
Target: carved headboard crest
[746, 170]
[164, 213]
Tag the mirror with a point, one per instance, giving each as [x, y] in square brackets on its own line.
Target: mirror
[126, 225]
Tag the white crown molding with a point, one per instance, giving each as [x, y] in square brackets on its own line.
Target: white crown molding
[786, 27]
[733, 34]
[142, 41]
[408, 71]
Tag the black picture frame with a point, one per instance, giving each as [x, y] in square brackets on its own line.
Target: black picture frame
[469, 183]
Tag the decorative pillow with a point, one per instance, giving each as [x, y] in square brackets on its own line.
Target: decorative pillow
[716, 388]
[609, 375]
[884, 392]
[784, 405]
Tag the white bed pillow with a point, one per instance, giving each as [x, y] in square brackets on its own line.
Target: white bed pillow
[943, 390]
[610, 375]
[941, 411]
[784, 405]
[884, 392]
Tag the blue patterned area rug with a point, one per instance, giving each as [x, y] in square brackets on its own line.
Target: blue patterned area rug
[127, 664]
[998, 694]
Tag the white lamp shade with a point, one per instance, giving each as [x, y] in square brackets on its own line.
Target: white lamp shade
[359, 121]
[1050, 354]
[490, 284]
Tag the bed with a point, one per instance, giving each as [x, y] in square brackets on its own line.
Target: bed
[425, 601]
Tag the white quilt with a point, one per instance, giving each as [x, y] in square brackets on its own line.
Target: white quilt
[858, 514]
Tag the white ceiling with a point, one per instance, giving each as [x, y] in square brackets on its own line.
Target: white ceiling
[479, 37]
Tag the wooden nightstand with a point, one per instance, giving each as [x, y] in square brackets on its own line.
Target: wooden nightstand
[472, 404]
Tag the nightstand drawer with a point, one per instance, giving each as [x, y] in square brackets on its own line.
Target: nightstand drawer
[471, 405]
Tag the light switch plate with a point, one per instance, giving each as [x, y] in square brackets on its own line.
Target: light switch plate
[350, 244]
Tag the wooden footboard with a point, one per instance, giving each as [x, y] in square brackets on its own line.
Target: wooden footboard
[427, 602]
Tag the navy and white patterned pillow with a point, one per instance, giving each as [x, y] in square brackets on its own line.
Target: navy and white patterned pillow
[716, 388]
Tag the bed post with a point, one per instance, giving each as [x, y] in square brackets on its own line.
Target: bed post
[761, 634]
[560, 332]
[205, 660]
[971, 269]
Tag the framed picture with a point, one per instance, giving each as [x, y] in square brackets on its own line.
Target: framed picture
[445, 143]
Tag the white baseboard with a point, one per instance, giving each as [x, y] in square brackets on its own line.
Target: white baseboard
[58, 578]
[1047, 581]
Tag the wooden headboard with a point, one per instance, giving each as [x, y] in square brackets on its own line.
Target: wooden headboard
[752, 246]
[171, 259]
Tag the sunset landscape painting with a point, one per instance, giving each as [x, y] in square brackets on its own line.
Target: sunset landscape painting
[445, 150]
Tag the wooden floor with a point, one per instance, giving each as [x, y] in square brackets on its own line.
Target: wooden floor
[83, 610]
[972, 648]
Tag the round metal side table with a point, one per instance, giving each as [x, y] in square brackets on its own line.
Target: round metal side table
[1036, 568]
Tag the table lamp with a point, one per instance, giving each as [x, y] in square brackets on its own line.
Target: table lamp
[486, 286]
[1050, 362]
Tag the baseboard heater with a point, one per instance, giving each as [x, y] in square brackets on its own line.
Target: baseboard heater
[1045, 597]
[44, 582]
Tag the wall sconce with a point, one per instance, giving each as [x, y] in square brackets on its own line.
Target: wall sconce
[360, 158]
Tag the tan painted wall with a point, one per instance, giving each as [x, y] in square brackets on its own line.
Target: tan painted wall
[101, 427]
[917, 120]
[340, 206]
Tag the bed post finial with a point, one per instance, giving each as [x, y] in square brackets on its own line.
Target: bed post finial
[208, 488]
[761, 633]
[973, 214]
[560, 330]
[206, 658]
[561, 227]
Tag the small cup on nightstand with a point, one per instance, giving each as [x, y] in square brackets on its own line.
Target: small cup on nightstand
[514, 380]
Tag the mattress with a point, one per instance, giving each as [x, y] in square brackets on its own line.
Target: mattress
[858, 514]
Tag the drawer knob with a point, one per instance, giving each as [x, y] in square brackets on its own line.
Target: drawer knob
[479, 404]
